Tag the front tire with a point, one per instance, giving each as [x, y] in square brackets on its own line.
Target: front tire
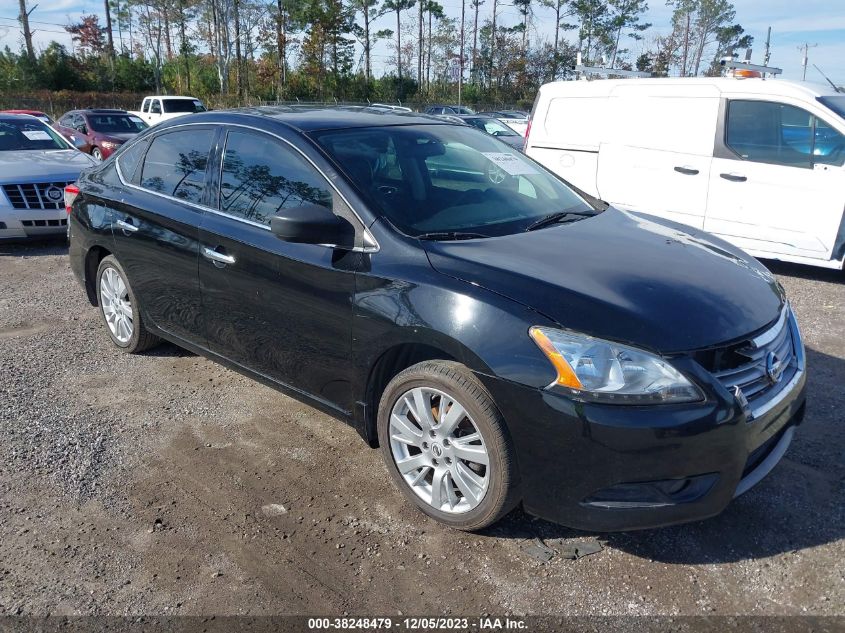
[96, 153]
[119, 309]
[446, 445]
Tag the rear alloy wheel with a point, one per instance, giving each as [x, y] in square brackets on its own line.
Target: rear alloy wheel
[119, 309]
[96, 153]
[446, 445]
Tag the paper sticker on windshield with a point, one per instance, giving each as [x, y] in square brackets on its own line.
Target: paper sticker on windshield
[510, 163]
[136, 119]
[37, 135]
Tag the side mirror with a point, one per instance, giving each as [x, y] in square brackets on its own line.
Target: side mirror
[82, 129]
[313, 224]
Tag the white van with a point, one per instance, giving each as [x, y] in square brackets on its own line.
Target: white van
[756, 162]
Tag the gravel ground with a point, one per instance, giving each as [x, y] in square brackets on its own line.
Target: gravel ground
[163, 483]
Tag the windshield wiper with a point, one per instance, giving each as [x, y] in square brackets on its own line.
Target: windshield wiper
[450, 235]
[561, 217]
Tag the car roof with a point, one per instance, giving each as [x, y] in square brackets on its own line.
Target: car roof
[725, 85]
[9, 116]
[311, 119]
[171, 97]
[27, 112]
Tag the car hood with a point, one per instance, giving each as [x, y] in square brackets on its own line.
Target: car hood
[634, 279]
[33, 165]
[120, 137]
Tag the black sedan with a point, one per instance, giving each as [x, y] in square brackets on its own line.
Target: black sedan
[501, 336]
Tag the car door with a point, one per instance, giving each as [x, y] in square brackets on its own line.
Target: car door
[155, 111]
[79, 133]
[656, 154]
[157, 227]
[281, 309]
[778, 183]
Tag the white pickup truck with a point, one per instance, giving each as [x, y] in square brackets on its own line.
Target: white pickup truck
[158, 108]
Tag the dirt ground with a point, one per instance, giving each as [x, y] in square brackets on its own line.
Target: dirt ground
[163, 483]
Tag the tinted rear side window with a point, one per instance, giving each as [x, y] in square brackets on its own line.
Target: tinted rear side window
[129, 160]
[176, 162]
[262, 176]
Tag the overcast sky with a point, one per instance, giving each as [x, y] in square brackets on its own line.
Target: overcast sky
[820, 23]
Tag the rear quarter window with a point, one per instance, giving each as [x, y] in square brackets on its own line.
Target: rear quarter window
[176, 162]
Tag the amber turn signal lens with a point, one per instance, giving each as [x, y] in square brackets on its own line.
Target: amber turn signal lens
[565, 374]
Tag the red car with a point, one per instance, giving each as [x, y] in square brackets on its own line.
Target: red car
[99, 132]
[36, 113]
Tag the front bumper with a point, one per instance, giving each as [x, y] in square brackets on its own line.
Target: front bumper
[611, 468]
[16, 224]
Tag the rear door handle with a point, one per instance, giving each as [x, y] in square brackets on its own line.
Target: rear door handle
[733, 177]
[686, 171]
[127, 226]
[216, 257]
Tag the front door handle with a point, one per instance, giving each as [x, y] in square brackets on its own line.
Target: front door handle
[216, 257]
[733, 177]
[686, 171]
[127, 226]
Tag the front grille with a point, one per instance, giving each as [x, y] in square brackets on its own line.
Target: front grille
[36, 195]
[37, 223]
[752, 375]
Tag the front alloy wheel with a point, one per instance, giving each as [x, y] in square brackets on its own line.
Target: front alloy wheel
[438, 450]
[446, 445]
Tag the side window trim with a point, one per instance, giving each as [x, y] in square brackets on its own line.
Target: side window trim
[370, 244]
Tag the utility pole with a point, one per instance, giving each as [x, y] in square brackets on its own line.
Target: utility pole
[27, 34]
[805, 50]
[461, 60]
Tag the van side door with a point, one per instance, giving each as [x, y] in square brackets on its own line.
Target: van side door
[655, 157]
[777, 188]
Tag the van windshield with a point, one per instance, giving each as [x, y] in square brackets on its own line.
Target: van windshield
[449, 180]
[837, 104]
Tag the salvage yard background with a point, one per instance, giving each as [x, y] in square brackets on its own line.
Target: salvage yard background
[163, 483]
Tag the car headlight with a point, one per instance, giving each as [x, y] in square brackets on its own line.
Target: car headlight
[110, 144]
[604, 371]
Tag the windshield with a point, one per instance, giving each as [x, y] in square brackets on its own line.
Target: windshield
[30, 134]
[492, 126]
[448, 179]
[183, 105]
[463, 110]
[837, 104]
[116, 123]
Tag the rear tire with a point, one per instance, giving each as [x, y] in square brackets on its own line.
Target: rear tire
[120, 310]
[446, 446]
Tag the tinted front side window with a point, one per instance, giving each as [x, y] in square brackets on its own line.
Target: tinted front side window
[780, 134]
[261, 176]
[175, 164]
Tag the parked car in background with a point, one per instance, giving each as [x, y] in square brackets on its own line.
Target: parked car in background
[760, 163]
[448, 109]
[41, 116]
[503, 340]
[99, 132]
[493, 127]
[36, 163]
[387, 106]
[517, 120]
[158, 108]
